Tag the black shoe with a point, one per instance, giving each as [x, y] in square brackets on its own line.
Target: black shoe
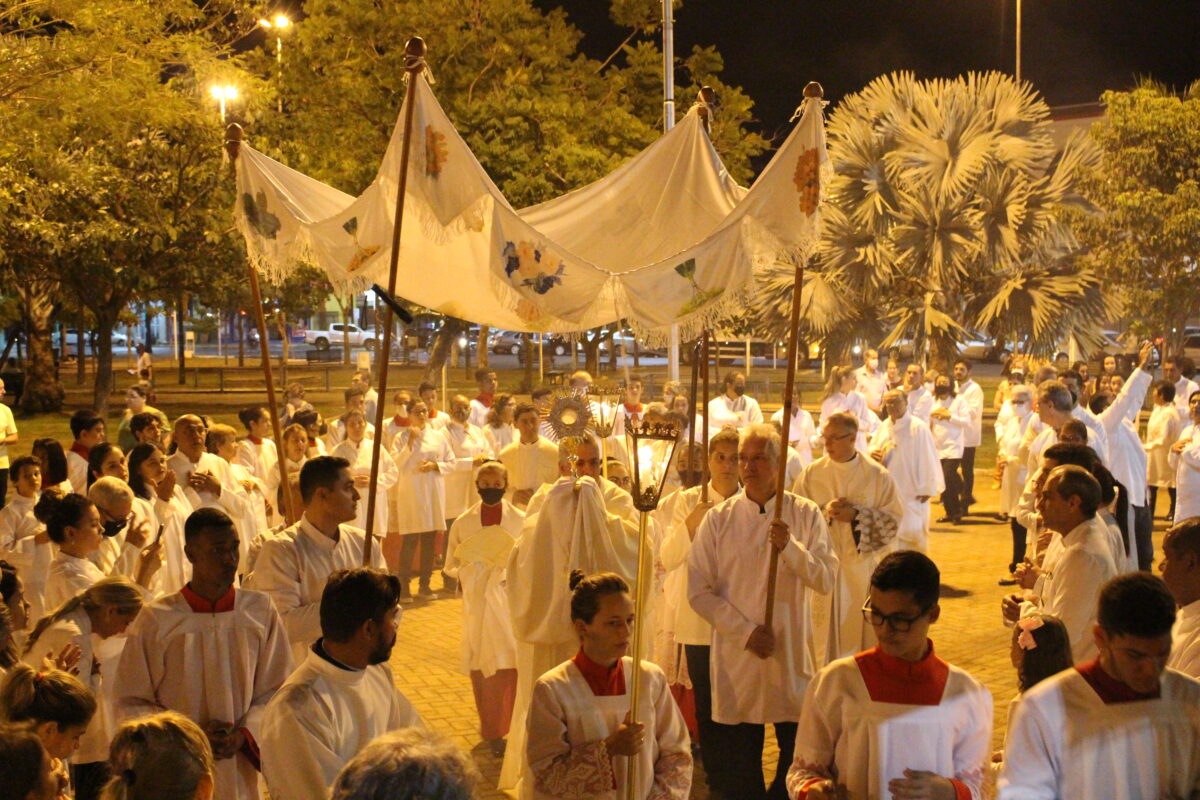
[945, 520]
[1008, 580]
[957, 521]
[425, 593]
[497, 747]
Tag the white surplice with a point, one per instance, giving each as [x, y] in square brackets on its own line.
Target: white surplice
[863, 743]
[477, 558]
[872, 492]
[727, 585]
[1016, 471]
[18, 528]
[420, 496]
[1065, 742]
[1162, 430]
[802, 432]
[293, 569]
[567, 727]
[77, 472]
[686, 625]
[207, 666]
[912, 460]
[871, 385]
[233, 500]
[320, 718]
[530, 465]
[359, 455]
[261, 459]
[920, 403]
[467, 443]
[1185, 641]
[737, 412]
[1187, 474]
[854, 404]
[67, 577]
[500, 436]
[176, 570]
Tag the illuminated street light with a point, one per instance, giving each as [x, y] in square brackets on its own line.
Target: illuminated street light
[277, 23]
[223, 94]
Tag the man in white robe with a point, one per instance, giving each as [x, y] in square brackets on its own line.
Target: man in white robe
[88, 429]
[759, 673]
[734, 407]
[904, 445]
[211, 652]
[343, 695]
[485, 380]
[531, 461]
[863, 510]
[1122, 726]
[356, 448]
[1180, 566]
[1184, 386]
[471, 449]
[477, 551]
[896, 720]
[1185, 458]
[206, 478]
[1071, 581]
[920, 401]
[802, 432]
[1163, 428]
[1015, 471]
[292, 568]
[574, 527]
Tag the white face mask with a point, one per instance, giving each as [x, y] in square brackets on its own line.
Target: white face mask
[872, 364]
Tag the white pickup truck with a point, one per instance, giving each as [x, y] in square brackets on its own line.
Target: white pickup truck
[338, 334]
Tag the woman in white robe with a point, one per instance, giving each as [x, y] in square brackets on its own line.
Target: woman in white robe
[259, 506]
[1162, 431]
[499, 429]
[258, 454]
[581, 741]
[423, 460]
[356, 448]
[154, 484]
[841, 396]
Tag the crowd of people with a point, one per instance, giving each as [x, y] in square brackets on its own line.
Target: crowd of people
[181, 622]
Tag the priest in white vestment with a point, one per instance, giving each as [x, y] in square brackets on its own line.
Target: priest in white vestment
[477, 551]
[895, 720]
[356, 448]
[292, 568]
[206, 478]
[580, 742]
[759, 674]
[343, 694]
[213, 653]
[863, 509]
[531, 461]
[1180, 566]
[1122, 726]
[904, 445]
[574, 528]
[1072, 580]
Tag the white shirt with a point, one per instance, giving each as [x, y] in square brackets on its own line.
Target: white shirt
[1162, 430]
[870, 385]
[738, 411]
[801, 432]
[1065, 742]
[727, 585]
[7, 428]
[920, 403]
[950, 435]
[320, 718]
[1187, 475]
[293, 569]
[207, 666]
[1183, 393]
[972, 394]
[1185, 641]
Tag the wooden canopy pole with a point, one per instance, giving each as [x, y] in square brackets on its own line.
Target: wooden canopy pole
[414, 64]
[704, 476]
[813, 89]
[233, 143]
[692, 404]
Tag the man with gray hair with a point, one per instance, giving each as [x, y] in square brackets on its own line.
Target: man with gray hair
[759, 673]
[408, 764]
[128, 528]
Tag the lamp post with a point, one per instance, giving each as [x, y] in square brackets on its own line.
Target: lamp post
[1018, 70]
[278, 24]
[223, 94]
[651, 450]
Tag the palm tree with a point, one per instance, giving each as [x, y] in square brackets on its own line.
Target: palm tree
[947, 213]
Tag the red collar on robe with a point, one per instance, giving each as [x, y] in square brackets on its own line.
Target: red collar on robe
[202, 605]
[893, 680]
[401, 422]
[1109, 688]
[485, 399]
[604, 681]
[255, 440]
[634, 408]
[79, 450]
[490, 515]
[433, 412]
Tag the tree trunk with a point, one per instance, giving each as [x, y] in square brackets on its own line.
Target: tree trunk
[451, 328]
[591, 354]
[346, 309]
[527, 344]
[180, 306]
[80, 347]
[281, 324]
[612, 349]
[102, 388]
[43, 391]
[241, 338]
[481, 347]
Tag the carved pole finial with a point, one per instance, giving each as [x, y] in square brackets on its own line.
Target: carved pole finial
[814, 89]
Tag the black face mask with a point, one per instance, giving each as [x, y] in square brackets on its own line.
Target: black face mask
[491, 496]
[941, 390]
[739, 390]
[690, 477]
[113, 527]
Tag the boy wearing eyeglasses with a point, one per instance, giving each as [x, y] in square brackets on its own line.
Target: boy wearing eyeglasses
[894, 721]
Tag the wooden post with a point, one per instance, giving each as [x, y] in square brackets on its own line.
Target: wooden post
[233, 142]
[414, 52]
[692, 405]
[705, 477]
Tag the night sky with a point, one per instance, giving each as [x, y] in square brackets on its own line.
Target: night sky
[1072, 50]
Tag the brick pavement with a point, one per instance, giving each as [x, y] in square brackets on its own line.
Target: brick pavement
[969, 635]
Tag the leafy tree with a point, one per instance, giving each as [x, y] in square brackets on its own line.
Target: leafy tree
[1148, 183]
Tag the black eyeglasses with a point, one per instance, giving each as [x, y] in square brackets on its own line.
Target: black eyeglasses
[897, 622]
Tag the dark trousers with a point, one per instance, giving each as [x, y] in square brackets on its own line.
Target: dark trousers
[710, 733]
[968, 478]
[1019, 533]
[408, 546]
[3, 487]
[953, 493]
[89, 779]
[742, 754]
[1143, 532]
[1154, 502]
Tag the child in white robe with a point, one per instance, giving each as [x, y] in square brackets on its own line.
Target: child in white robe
[357, 448]
[1122, 726]
[581, 741]
[1041, 648]
[896, 720]
[153, 484]
[23, 539]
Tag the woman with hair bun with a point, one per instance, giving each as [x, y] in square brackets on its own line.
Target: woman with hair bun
[581, 740]
[73, 523]
[56, 705]
[161, 757]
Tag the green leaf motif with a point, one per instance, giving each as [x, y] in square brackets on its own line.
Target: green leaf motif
[687, 269]
[350, 226]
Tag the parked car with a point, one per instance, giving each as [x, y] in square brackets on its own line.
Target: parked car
[119, 340]
[337, 334]
[504, 342]
[979, 347]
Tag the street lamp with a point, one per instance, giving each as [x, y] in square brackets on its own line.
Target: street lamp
[223, 94]
[1018, 71]
[277, 23]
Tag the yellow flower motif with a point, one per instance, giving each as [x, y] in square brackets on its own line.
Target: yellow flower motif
[435, 152]
[808, 181]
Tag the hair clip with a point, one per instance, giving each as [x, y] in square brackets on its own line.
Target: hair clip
[1027, 626]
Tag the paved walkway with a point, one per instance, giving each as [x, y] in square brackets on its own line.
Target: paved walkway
[969, 634]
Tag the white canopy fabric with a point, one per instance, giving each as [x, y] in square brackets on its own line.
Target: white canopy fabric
[666, 238]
